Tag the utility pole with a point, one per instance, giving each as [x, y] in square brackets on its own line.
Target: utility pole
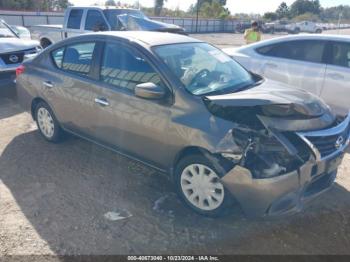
[339, 21]
[197, 16]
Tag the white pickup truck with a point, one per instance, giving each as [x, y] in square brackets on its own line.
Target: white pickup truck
[79, 20]
[304, 26]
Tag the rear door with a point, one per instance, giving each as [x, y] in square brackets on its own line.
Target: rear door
[69, 87]
[336, 90]
[95, 21]
[297, 63]
[74, 23]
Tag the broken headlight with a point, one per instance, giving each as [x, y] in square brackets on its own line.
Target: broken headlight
[308, 109]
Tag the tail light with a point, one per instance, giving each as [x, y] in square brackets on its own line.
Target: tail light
[20, 70]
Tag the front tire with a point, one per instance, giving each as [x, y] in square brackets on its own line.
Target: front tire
[198, 184]
[47, 123]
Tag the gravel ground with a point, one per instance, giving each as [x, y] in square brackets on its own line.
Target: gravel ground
[56, 198]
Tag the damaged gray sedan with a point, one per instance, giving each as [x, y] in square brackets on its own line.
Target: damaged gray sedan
[183, 107]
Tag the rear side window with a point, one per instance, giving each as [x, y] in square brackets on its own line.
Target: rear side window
[94, 20]
[57, 57]
[123, 68]
[304, 50]
[78, 58]
[74, 19]
[341, 54]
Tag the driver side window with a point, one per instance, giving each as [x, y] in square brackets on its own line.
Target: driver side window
[123, 68]
[95, 21]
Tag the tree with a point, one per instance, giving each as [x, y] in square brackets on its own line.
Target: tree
[44, 5]
[300, 7]
[307, 17]
[214, 9]
[270, 16]
[282, 10]
[158, 6]
[110, 3]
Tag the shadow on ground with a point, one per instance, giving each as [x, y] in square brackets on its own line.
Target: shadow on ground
[64, 190]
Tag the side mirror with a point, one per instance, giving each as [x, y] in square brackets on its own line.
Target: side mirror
[149, 91]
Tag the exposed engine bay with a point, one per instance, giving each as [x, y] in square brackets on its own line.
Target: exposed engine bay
[265, 138]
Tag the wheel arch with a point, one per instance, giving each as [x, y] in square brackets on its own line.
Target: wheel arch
[47, 40]
[33, 105]
[221, 164]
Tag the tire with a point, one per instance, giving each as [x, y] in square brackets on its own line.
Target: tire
[45, 43]
[200, 167]
[47, 123]
[318, 31]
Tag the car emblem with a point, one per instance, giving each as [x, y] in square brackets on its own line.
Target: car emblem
[339, 142]
[13, 58]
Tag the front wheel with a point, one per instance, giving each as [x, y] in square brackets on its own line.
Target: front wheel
[47, 123]
[199, 186]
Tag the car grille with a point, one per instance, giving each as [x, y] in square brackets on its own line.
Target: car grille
[325, 143]
[9, 58]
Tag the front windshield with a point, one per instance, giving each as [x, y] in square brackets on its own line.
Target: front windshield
[5, 31]
[203, 69]
[112, 16]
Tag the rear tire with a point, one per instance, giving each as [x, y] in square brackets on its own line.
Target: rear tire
[47, 123]
[198, 184]
[45, 43]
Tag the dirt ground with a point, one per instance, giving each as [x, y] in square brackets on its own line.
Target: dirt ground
[55, 199]
[235, 40]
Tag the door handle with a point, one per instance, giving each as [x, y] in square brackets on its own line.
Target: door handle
[336, 76]
[101, 101]
[271, 65]
[48, 84]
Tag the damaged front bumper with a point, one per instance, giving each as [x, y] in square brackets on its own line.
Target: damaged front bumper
[287, 193]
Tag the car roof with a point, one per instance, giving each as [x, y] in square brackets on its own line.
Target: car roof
[103, 7]
[280, 39]
[147, 37]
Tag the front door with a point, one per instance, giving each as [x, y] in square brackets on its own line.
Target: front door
[336, 90]
[296, 63]
[129, 123]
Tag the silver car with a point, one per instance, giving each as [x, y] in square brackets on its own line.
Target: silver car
[185, 108]
[319, 64]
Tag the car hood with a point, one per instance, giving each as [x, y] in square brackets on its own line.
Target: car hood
[136, 23]
[267, 102]
[8, 45]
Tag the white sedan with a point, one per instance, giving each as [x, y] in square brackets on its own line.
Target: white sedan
[319, 64]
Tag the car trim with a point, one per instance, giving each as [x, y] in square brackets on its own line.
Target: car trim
[327, 132]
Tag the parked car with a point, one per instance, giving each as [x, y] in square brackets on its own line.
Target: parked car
[276, 26]
[22, 32]
[80, 20]
[185, 108]
[319, 64]
[12, 53]
[305, 26]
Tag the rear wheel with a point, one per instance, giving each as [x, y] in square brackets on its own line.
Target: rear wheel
[45, 43]
[199, 186]
[47, 123]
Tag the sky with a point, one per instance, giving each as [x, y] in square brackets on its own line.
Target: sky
[235, 6]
